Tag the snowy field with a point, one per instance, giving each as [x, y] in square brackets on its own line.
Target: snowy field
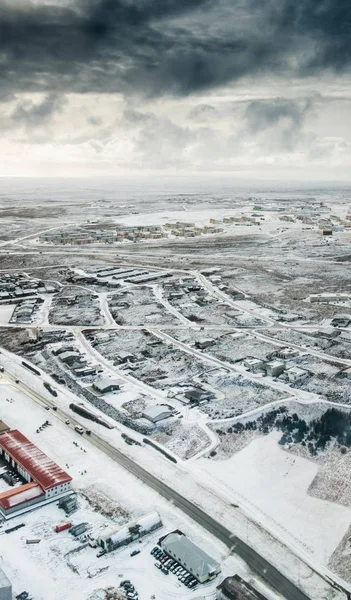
[6, 311]
[66, 573]
[275, 485]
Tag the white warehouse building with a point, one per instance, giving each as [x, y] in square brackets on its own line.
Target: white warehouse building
[115, 537]
[190, 556]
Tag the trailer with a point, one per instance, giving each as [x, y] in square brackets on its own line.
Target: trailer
[63, 526]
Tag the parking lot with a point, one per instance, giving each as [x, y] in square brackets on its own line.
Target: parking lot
[168, 565]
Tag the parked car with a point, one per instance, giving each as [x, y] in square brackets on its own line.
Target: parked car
[158, 565]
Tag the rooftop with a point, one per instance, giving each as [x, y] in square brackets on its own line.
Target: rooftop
[39, 466]
[195, 558]
[18, 495]
[235, 588]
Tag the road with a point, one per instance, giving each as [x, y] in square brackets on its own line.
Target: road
[255, 561]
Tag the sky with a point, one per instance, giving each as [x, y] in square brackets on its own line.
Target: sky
[244, 88]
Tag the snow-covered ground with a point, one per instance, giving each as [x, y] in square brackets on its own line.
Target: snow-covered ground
[67, 575]
[275, 485]
[6, 311]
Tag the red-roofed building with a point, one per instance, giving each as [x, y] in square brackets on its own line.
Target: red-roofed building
[46, 480]
[18, 495]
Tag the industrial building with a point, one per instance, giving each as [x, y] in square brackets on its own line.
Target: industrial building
[5, 587]
[157, 413]
[190, 556]
[235, 588]
[115, 537]
[45, 480]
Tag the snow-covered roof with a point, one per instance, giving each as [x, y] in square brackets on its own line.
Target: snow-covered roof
[68, 354]
[197, 561]
[19, 495]
[104, 383]
[39, 466]
[156, 413]
[296, 371]
[146, 523]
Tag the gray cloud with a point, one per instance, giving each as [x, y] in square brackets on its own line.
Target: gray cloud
[263, 114]
[32, 114]
[169, 47]
[202, 112]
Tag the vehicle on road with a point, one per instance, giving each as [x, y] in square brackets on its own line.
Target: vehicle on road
[135, 552]
[67, 422]
[79, 429]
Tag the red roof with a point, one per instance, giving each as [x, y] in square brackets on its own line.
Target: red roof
[20, 494]
[39, 466]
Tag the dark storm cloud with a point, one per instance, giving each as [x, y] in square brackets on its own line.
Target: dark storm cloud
[167, 46]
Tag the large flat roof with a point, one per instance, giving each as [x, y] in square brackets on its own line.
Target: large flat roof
[20, 494]
[188, 552]
[39, 466]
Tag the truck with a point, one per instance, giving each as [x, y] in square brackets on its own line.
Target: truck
[79, 429]
[63, 526]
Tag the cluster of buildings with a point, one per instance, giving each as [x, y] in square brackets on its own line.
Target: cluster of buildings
[326, 297]
[81, 236]
[40, 479]
[15, 287]
[76, 362]
[25, 310]
[278, 365]
[184, 229]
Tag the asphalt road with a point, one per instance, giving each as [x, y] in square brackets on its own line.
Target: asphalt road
[259, 564]
[256, 562]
